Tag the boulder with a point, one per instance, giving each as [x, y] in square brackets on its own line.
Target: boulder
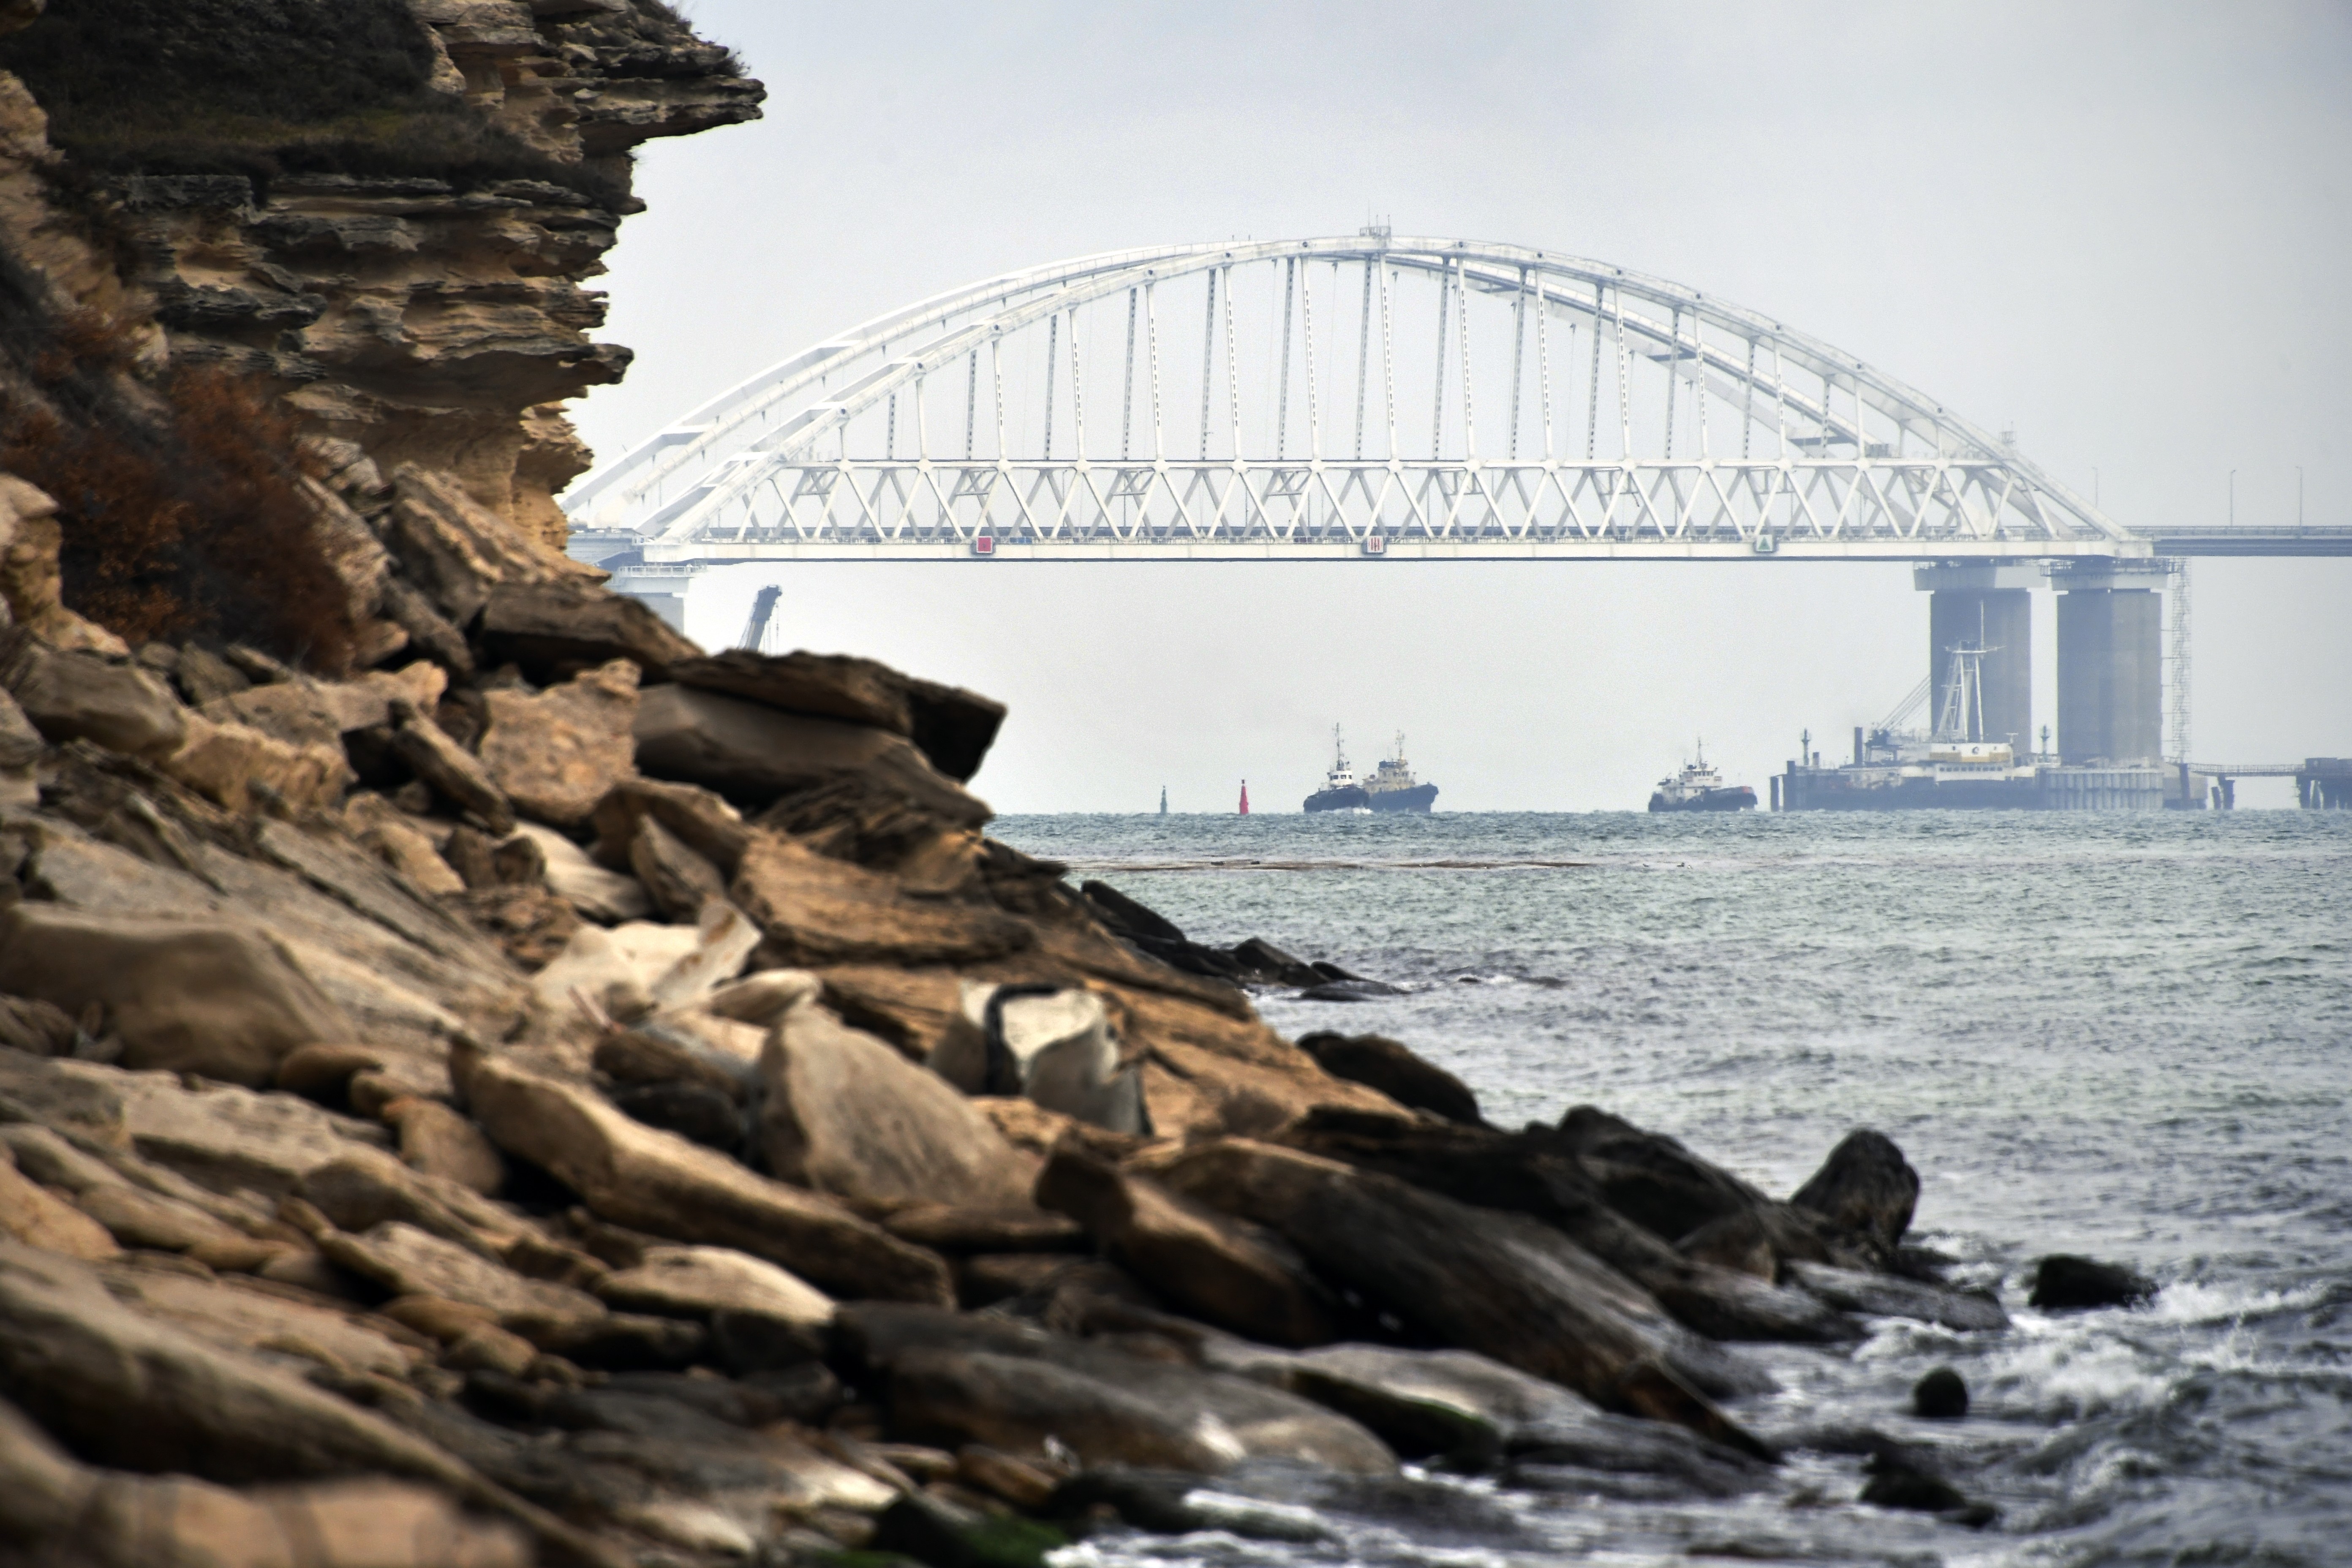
[1056, 1045]
[438, 1141]
[700, 1281]
[1865, 1188]
[647, 965]
[1388, 1066]
[700, 1114]
[460, 553]
[608, 898]
[60, 1510]
[1264, 964]
[456, 775]
[239, 767]
[1940, 1396]
[33, 1216]
[406, 1261]
[1223, 1271]
[556, 754]
[552, 628]
[752, 754]
[651, 1181]
[366, 1189]
[2065, 1283]
[31, 585]
[677, 881]
[76, 696]
[1127, 917]
[817, 911]
[400, 843]
[213, 998]
[843, 1113]
[953, 727]
[957, 1380]
[37, 1027]
[700, 819]
[1500, 1284]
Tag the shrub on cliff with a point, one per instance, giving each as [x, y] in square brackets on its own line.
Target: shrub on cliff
[263, 88]
[181, 513]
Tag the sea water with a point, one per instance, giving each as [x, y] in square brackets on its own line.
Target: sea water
[2126, 1036]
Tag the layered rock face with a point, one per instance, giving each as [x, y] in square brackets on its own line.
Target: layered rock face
[433, 318]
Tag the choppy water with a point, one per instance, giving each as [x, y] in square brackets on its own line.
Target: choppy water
[2129, 1036]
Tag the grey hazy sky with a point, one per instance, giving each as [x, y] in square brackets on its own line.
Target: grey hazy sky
[2124, 230]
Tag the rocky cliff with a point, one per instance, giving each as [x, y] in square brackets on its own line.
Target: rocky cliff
[372, 219]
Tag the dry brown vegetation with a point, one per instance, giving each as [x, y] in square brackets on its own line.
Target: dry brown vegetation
[184, 521]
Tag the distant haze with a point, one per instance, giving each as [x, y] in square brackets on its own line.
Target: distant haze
[2124, 230]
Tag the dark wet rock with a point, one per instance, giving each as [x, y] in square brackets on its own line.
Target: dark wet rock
[1537, 1172]
[951, 727]
[941, 1534]
[1266, 965]
[1349, 991]
[754, 755]
[2065, 1283]
[1890, 1296]
[1126, 916]
[1866, 1187]
[1897, 1483]
[1502, 1284]
[1227, 1271]
[1941, 1395]
[1390, 1067]
[707, 1116]
[1172, 1502]
[551, 628]
[1434, 1514]
[956, 1379]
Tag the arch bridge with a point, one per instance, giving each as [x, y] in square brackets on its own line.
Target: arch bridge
[1369, 394]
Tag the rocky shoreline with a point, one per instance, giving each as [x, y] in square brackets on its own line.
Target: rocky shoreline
[581, 1100]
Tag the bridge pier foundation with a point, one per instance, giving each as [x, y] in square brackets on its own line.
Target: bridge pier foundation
[2110, 661]
[1989, 606]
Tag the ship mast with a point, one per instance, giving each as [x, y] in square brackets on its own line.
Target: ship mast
[1962, 717]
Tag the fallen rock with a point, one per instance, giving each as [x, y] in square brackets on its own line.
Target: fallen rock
[953, 727]
[699, 818]
[677, 881]
[461, 553]
[652, 1181]
[1056, 1045]
[456, 775]
[238, 767]
[752, 754]
[843, 1113]
[608, 898]
[1388, 1066]
[957, 1228]
[407, 1262]
[956, 1380]
[1226, 1271]
[205, 998]
[1864, 1187]
[30, 1215]
[76, 696]
[709, 1117]
[552, 628]
[1500, 1284]
[558, 753]
[817, 911]
[2065, 1283]
[645, 965]
[701, 1281]
[438, 1141]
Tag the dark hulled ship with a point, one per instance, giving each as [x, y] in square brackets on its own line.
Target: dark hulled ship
[1698, 788]
[1391, 786]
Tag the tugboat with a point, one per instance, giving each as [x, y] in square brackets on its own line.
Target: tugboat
[1392, 788]
[1341, 792]
[1699, 787]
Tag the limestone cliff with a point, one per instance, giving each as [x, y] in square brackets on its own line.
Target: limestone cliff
[375, 217]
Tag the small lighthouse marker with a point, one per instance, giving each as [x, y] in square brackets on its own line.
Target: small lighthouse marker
[1244, 797]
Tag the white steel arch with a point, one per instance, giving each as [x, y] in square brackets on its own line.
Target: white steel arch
[1267, 399]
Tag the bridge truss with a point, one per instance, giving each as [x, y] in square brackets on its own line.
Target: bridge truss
[1366, 395]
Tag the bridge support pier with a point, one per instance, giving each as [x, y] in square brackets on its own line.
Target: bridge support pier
[2110, 661]
[1991, 606]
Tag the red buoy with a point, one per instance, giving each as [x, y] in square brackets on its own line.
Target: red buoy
[1244, 797]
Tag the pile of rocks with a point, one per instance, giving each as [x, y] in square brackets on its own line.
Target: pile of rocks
[559, 1096]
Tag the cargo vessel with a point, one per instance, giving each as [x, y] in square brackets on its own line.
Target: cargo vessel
[1698, 788]
[1391, 786]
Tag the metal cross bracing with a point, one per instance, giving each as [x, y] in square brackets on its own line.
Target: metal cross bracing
[1340, 392]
